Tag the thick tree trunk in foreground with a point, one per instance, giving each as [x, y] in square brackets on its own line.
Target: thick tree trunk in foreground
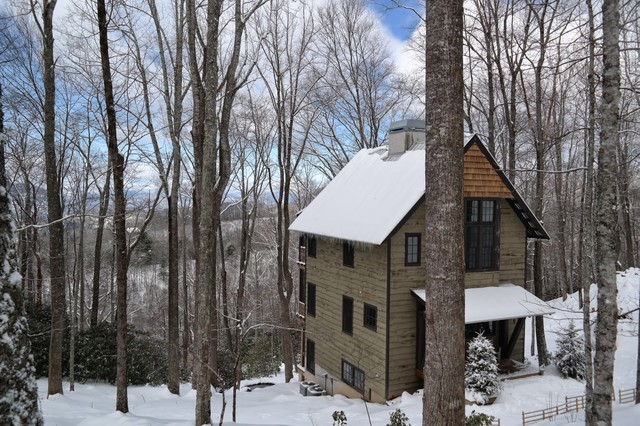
[444, 351]
[19, 401]
[607, 220]
[121, 256]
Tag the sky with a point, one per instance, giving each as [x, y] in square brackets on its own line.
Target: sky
[400, 22]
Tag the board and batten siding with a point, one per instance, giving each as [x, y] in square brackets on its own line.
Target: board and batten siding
[365, 348]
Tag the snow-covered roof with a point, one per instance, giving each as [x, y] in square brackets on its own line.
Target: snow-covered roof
[375, 191]
[368, 198]
[506, 301]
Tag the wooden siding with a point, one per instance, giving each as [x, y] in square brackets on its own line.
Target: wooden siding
[365, 348]
[403, 305]
[480, 178]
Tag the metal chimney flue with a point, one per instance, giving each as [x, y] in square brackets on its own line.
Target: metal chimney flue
[403, 134]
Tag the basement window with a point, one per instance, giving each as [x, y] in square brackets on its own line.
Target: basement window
[353, 376]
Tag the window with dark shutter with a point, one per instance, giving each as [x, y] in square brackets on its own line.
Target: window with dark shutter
[482, 235]
[311, 356]
[347, 254]
[311, 299]
[303, 286]
[311, 246]
[347, 315]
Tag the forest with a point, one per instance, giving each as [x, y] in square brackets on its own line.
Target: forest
[157, 151]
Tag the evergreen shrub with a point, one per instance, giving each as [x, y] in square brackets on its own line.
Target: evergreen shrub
[479, 419]
[398, 418]
[481, 370]
[570, 356]
[39, 320]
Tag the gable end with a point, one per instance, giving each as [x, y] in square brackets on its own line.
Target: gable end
[478, 169]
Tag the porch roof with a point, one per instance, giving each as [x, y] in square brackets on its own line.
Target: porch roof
[506, 301]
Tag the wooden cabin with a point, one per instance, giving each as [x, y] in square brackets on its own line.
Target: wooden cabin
[362, 276]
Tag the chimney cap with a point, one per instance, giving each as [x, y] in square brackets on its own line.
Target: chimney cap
[406, 125]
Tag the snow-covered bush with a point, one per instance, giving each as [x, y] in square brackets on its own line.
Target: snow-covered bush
[339, 418]
[398, 418]
[570, 356]
[481, 370]
[479, 419]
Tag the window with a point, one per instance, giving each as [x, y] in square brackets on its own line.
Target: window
[347, 315]
[370, 317]
[352, 376]
[303, 286]
[347, 254]
[311, 299]
[412, 249]
[311, 356]
[312, 246]
[482, 235]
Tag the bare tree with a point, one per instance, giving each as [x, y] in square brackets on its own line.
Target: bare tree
[54, 204]
[117, 167]
[359, 90]
[586, 222]
[172, 94]
[214, 95]
[444, 319]
[606, 213]
[286, 71]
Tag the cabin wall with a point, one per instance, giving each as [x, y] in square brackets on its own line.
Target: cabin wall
[365, 348]
[403, 308]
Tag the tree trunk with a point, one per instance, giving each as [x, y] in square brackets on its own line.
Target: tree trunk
[607, 219]
[121, 257]
[207, 228]
[444, 327]
[174, 118]
[587, 223]
[197, 132]
[97, 257]
[54, 207]
[173, 359]
[185, 297]
[540, 147]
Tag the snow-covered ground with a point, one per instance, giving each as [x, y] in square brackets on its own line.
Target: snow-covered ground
[282, 404]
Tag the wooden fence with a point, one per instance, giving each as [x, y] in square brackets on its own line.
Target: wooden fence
[628, 395]
[572, 404]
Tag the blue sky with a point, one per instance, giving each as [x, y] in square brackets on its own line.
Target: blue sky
[400, 22]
